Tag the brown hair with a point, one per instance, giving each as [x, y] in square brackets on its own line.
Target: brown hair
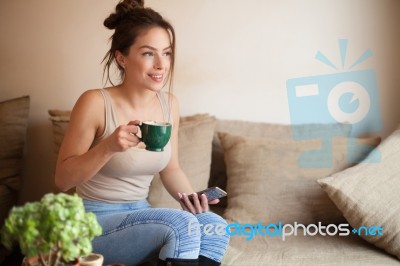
[129, 20]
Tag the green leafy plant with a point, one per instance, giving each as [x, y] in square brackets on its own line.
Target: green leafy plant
[55, 229]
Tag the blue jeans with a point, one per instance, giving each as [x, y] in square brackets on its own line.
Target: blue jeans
[134, 233]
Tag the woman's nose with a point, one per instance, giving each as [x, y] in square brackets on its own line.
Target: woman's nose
[159, 63]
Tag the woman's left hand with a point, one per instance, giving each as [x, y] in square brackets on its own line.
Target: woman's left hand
[197, 204]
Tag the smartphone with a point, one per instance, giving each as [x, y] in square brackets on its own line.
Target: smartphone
[212, 193]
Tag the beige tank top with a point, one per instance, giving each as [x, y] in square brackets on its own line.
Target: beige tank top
[127, 175]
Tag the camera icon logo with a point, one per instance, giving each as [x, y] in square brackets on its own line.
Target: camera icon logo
[346, 97]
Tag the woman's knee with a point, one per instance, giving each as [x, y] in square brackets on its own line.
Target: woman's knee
[215, 239]
[211, 218]
[213, 226]
[182, 241]
[180, 219]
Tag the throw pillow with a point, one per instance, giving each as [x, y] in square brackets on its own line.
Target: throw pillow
[266, 184]
[60, 120]
[13, 124]
[261, 130]
[195, 142]
[368, 194]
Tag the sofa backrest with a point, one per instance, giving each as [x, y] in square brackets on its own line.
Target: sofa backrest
[201, 154]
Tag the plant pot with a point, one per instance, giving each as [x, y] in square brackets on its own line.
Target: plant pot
[93, 259]
[34, 261]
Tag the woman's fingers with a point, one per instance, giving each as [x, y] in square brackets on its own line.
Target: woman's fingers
[188, 205]
[182, 203]
[214, 201]
[124, 137]
[134, 123]
[194, 204]
[133, 129]
[204, 202]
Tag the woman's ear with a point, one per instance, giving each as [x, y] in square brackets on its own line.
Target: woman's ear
[120, 59]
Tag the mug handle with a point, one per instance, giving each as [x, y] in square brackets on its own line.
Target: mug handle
[141, 139]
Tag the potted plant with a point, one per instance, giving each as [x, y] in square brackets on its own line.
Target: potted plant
[54, 230]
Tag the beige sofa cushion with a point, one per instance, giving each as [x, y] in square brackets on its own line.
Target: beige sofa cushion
[60, 120]
[307, 250]
[368, 194]
[266, 183]
[13, 124]
[195, 143]
[260, 130]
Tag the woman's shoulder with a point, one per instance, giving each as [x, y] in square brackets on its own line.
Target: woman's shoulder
[91, 95]
[173, 104]
[170, 97]
[92, 98]
[89, 103]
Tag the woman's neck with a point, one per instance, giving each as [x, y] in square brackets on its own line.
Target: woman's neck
[137, 98]
[133, 104]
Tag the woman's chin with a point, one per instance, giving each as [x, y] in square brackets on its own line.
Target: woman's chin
[155, 88]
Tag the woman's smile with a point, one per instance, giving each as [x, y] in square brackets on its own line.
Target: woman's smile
[159, 78]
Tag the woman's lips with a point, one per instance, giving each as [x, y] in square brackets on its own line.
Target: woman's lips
[157, 77]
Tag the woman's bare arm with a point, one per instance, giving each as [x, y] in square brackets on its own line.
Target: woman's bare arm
[77, 161]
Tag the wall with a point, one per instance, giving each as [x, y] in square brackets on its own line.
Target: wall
[233, 58]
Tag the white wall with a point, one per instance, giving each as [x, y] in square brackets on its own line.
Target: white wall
[233, 57]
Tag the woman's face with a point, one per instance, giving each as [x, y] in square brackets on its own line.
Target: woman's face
[148, 62]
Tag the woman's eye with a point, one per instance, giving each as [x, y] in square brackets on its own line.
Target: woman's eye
[148, 54]
[167, 53]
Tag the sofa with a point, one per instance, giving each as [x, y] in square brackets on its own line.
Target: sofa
[13, 127]
[274, 178]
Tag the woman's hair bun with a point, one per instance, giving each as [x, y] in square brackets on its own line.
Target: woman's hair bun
[123, 8]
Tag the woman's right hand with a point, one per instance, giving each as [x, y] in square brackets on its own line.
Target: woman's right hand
[124, 137]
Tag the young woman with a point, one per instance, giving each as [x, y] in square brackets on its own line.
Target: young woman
[104, 159]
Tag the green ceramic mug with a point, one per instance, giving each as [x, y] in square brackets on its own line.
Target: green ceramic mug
[155, 134]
